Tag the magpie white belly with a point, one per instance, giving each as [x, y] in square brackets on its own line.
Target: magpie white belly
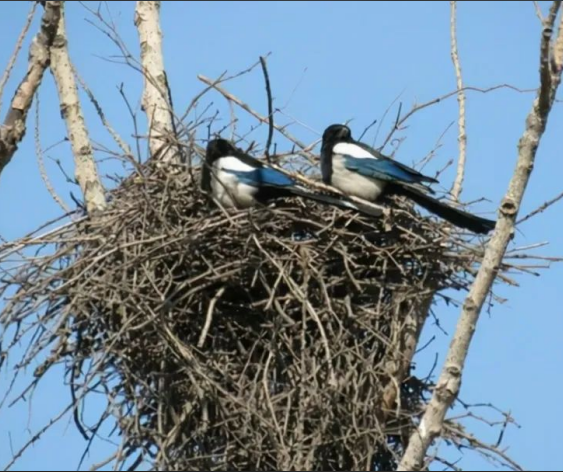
[354, 184]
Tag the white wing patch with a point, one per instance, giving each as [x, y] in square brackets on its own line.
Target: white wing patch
[232, 163]
[226, 187]
[352, 150]
[352, 183]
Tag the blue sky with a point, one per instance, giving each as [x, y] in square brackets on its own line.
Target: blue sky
[331, 62]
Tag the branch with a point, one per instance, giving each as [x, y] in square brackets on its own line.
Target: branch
[85, 167]
[13, 130]
[41, 163]
[245, 107]
[462, 138]
[417, 108]
[448, 385]
[155, 101]
[270, 108]
[19, 43]
[539, 14]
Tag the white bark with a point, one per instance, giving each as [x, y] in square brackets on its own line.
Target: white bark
[449, 382]
[462, 136]
[155, 95]
[14, 127]
[85, 166]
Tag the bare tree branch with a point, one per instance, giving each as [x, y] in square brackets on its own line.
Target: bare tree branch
[462, 138]
[539, 12]
[85, 166]
[41, 163]
[245, 107]
[418, 107]
[270, 108]
[19, 43]
[541, 208]
[448, 385]
[13, 130]
[155, 98]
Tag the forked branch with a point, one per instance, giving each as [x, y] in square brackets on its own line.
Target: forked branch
[448, 385]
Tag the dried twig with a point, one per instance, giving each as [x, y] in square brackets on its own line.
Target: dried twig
[41, 162]
[539, 12]
[449, 382]
[462, 137]
[416, 108]
[540, 209]
[270, 108]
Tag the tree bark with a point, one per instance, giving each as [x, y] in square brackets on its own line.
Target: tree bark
[155, 101]
[13, 129]
[85, 166]
[449, 382]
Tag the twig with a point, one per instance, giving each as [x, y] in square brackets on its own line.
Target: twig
[209, 317]
[41, 163]
[118, 140]
[462, 138]
[19, 43]
[270, 109]
[539, 12]
[417, 108]
[245, 107]
[449, 382]
[541, 209]
[367, 128]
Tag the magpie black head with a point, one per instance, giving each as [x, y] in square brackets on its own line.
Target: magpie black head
[337, 134]
[217, 148]
[332, 135]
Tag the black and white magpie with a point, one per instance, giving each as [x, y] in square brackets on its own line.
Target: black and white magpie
[357, 169]
[237, 180]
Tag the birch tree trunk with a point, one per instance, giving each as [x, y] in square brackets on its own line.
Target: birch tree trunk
[12, 131]
[155, 100]
[85, 165]
[447, 389]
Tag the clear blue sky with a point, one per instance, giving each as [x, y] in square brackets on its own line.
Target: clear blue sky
[335, 61]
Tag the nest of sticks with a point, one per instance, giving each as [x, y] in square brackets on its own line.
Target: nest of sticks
[275, 338]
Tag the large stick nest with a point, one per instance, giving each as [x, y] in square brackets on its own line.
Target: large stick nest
[271, 338]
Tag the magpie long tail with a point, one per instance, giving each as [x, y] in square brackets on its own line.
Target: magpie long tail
[334, 201]
[459, 218]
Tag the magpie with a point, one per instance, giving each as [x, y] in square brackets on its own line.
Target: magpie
[237, 180]
[357, 169]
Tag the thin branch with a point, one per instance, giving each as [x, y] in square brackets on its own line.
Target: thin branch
[71, 110]
[13, 130]
[541, 209]
[539, 12]
[19, 43]
[448, 385]
[422, 106]
[41, 162]
[462, 137]
[118, 140]
[245, 107]
[270, 109]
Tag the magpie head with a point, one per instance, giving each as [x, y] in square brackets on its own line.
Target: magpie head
[335, 134]
[217, 148]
